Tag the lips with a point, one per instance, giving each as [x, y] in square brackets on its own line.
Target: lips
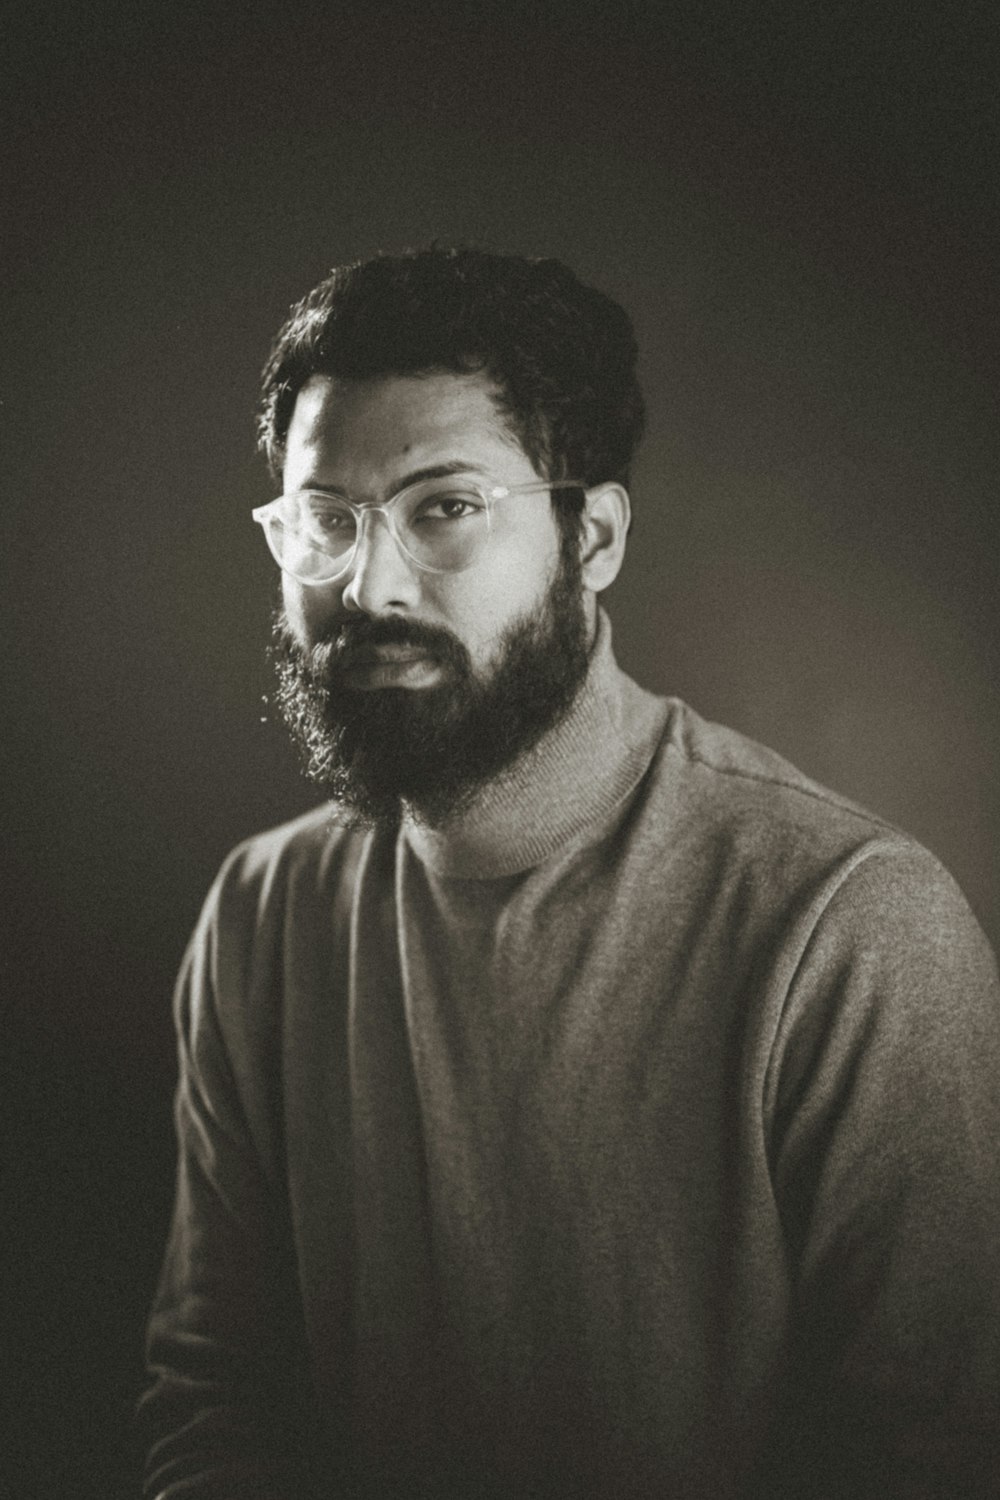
[364, 653]
[363, 657]
[369, 667]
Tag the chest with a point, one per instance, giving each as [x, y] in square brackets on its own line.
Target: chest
[576, 1027]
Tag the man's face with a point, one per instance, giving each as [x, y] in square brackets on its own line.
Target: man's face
[402, 683]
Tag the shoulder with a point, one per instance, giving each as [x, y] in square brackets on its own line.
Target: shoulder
[314, 840]
[302, 863]
[740, 806]
[739, 771]
[275, 916]
[759, 835]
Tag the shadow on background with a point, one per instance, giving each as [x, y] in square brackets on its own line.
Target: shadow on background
[800, 215]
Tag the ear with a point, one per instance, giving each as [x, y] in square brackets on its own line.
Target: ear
[605, 518]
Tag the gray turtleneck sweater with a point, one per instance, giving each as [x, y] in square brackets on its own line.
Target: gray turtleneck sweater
[637, 1136]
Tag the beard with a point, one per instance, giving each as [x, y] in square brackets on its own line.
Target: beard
[430, 749]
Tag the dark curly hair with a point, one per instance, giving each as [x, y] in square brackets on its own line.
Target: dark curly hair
[562, 355]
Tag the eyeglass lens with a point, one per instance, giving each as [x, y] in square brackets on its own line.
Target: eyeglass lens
[439, 527]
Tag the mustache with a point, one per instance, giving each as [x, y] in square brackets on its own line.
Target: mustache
[334, 648]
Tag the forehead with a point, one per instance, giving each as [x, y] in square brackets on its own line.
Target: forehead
[375, 430]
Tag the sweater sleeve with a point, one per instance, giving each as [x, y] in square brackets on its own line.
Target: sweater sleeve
[886, 1163]
[219, 1418]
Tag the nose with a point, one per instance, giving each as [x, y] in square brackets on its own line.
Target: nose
[380, 577]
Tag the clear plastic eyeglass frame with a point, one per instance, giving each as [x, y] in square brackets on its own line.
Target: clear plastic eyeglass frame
[293, 525]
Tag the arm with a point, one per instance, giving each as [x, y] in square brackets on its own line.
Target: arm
[886, 1163]
[224, 1348]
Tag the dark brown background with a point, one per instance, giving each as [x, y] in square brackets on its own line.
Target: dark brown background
[800, 212]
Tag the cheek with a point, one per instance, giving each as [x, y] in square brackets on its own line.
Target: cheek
[481, 606]
[308, 610]
[524, 562]
[292, 603]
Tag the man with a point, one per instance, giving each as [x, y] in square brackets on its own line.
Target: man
[582, 1103]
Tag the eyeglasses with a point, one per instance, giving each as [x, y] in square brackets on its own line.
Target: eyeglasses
[440, 525]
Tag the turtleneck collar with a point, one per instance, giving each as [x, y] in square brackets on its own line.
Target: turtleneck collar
[575, 776]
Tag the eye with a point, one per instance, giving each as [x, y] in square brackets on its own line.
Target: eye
[326, 519]
[449, 505]
[333, 520]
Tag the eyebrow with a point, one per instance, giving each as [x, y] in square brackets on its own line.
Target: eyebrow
[416, 476]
